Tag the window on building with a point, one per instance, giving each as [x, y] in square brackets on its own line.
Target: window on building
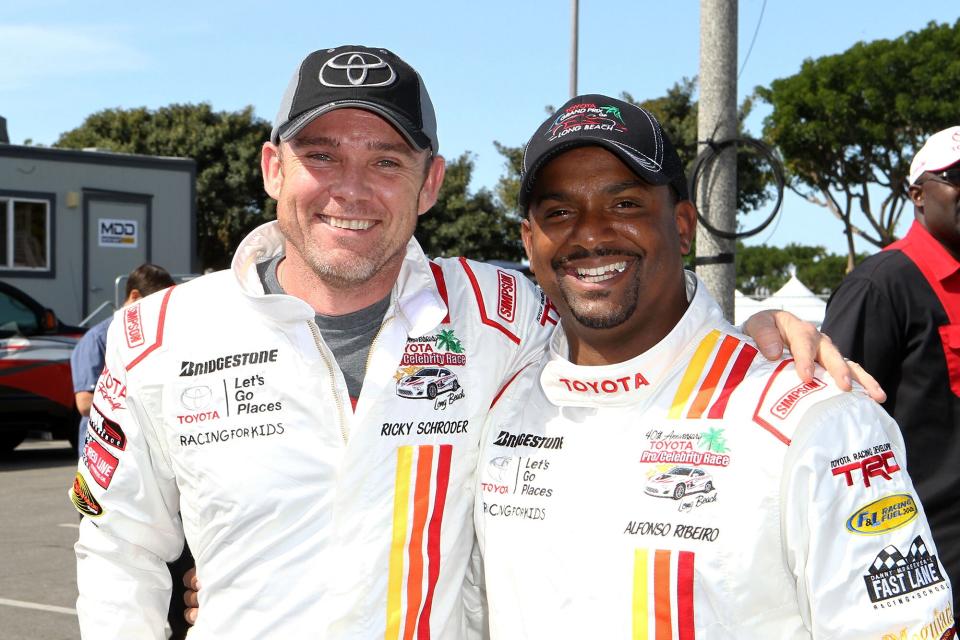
[24, 234]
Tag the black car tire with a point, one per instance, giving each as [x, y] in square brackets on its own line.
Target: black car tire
[432, 391]
[679, 492]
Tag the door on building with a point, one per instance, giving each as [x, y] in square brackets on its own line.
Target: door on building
[117, 230]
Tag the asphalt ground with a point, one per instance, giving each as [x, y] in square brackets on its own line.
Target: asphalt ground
[38, 584]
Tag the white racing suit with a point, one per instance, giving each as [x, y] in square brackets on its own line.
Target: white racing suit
[699, 491]
[225, 408]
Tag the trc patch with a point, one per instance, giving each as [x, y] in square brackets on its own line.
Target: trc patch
[879, 465]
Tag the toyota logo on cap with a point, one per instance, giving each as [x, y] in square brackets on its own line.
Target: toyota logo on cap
[356, 69]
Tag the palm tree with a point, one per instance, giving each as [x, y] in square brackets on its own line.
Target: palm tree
[714, 440]
[449, 342]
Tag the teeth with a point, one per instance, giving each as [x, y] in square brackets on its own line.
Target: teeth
[343, 223]
[599, 274]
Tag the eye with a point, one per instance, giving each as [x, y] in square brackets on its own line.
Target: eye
[626, 203]
[557, 213]
[317, 156]
[388, 163]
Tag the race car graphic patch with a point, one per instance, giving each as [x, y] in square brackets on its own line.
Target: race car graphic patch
[100, 463]
[663, 594]
[83, 499]
[678, 481]
[427, 369]
[892, 575]
[883, 515]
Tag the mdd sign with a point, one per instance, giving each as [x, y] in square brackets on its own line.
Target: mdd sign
[118, 233]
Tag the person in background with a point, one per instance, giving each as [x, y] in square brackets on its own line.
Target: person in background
[86, 361]
[898, 314]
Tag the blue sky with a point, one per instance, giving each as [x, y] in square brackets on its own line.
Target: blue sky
[491, 66]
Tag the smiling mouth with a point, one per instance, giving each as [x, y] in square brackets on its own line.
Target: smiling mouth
[601, 273]
[352, 224]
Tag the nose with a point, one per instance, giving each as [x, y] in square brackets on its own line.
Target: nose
[592, 229]
[350, 183]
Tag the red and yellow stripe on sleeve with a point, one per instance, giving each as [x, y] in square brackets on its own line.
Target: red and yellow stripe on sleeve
[663, 595]
[423, 475]
[713, 356]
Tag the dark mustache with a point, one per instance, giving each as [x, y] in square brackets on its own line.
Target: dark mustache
[580, 254]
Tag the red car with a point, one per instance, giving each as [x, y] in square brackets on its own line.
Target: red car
[36, 389]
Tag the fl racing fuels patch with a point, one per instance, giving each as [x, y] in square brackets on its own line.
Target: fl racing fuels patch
[83, 499]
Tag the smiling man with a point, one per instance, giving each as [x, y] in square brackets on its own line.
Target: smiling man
[270, 414]
[652, 477]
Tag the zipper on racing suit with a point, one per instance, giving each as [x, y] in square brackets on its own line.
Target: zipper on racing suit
[315, 331]
[373, 344]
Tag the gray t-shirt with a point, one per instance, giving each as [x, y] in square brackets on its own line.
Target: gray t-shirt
[349, 336]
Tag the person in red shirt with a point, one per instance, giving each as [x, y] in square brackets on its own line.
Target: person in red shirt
[898, 314]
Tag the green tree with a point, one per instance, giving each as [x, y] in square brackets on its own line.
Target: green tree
[762, 269]
[848, 122]
[226, 148]
[465, 224]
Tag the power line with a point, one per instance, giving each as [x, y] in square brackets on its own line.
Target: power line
[753, 40]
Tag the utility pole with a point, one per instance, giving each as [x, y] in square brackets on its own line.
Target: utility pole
[717, 120]
[574, 37]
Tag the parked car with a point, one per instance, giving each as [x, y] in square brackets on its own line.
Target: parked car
[427, 383]
[36, 389]
[679, 481]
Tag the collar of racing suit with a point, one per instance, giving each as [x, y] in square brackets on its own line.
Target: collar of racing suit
[618, 385]
[415, 300]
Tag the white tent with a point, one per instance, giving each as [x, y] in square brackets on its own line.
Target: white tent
[796, 298]
[744, 306]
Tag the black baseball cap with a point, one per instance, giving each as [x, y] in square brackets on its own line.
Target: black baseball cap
[630, 132]
[358, 77]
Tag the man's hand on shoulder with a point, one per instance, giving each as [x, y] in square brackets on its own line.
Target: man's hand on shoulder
[772, 330]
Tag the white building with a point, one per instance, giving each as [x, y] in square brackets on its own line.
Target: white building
[71, 222]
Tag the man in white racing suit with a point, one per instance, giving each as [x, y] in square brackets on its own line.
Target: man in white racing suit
[325, 484]
[652, 477]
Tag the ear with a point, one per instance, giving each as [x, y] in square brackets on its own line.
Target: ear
[431, 185]
[526, 235]
[915, 193]
[133, 297]
[685, 215]
[271, 165]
